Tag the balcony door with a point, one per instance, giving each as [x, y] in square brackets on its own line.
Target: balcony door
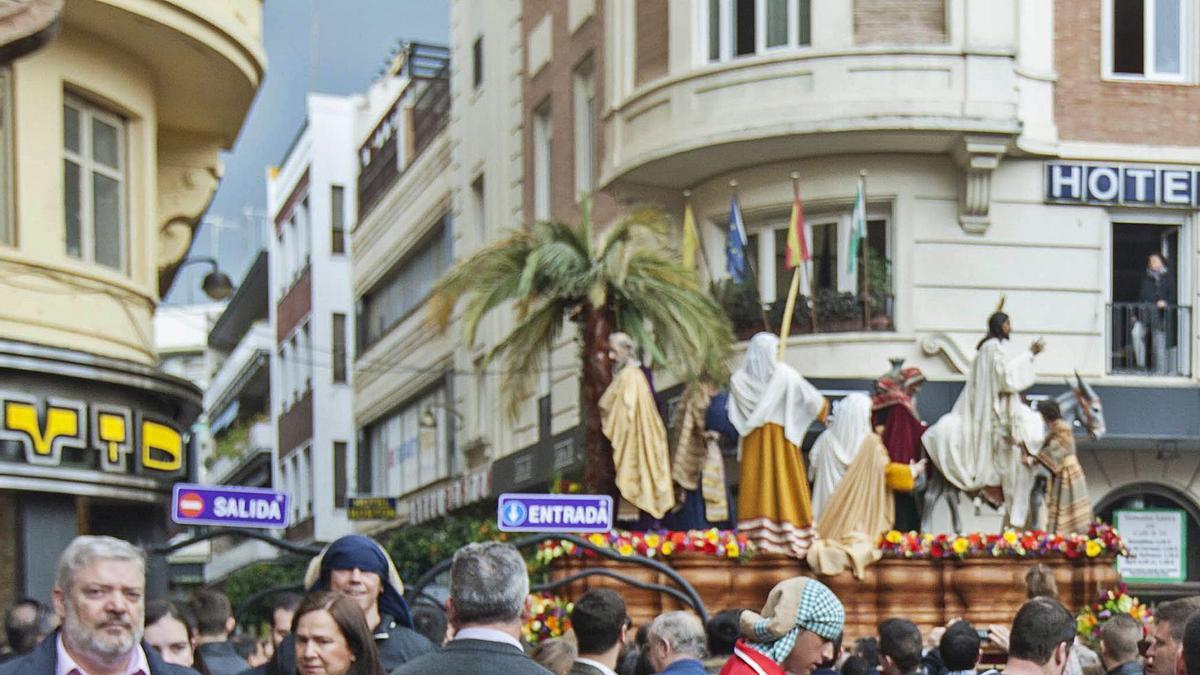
[1150, 315]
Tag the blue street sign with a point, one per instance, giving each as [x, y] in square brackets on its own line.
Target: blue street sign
[231, 506]
[554, 513]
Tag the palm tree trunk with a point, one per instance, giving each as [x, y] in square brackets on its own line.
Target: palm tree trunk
[599, 473]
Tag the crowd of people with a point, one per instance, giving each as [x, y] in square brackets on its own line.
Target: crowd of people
[354, 620]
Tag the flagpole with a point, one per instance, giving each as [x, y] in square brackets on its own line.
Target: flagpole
[866, 272]
[811, 297]
[790, 306]
[733, 185]
[687, 200]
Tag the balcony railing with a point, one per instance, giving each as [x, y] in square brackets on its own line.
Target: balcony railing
[834, 312]
[1148, 340]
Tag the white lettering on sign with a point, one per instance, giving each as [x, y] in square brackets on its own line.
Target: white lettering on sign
[1170, 186]
[1157, 542]
[565, 514]
[246, 508]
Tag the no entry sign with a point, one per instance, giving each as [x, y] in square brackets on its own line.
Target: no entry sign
[554, 513]
[230, 506]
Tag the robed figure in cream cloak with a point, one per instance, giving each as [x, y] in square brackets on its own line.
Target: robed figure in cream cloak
[860, 507]
[631, 422]
[982, 440]
[836, 448]
[772, 406]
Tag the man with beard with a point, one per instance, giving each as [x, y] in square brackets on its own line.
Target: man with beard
[99, 591]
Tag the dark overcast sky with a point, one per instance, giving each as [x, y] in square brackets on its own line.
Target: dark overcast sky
[353, 41]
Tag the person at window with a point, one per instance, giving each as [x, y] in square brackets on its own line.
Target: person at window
[981, 442]
[771, 406]
[631, 422]
[860, 507]
[1158, 298]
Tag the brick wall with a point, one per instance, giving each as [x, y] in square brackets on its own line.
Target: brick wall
[1087, 108]
[553, 83]
[918, 22]
[653, 40]
[294, 306]
[296, 425]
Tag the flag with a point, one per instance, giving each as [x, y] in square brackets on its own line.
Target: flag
[797, 237]
[735, 244]
[691, 240]
[858, 229]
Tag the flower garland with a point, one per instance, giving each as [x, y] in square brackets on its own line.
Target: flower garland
[1090, 619]
[1100, 539]
[654, 544]
[550, 617]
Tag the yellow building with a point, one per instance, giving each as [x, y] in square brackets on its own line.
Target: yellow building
[109, 142]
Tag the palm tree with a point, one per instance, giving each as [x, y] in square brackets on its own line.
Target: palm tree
[627, 279]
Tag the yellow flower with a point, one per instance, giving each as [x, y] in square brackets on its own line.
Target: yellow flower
[1010, 536]
[711, 535]
[653, 540]
[597, 539]
[625, 548]
[894, 537]
[960, 545]
[1093, 548]
[731, 550]
[668, 547]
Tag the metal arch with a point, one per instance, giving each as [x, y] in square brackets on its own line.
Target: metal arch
[301, 549]
[686, 593]
[253, 600]
[612, 574]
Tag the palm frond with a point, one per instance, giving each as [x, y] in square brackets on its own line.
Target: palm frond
[490, 267]
[525, 350]
[646, 225]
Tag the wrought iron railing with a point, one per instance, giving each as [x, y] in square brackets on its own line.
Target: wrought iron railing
[1145, 339]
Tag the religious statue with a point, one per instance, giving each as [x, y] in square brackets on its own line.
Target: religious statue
[1068, 508]
[697, 467]
[631, 421]
[859, 508]
[895, 416]
[771, 406]
[982, 441]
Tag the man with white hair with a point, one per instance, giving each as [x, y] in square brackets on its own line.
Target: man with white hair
[488, 605]
[676, 642]
[99, 591]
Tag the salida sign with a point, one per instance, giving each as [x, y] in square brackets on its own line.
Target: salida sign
[230, 506]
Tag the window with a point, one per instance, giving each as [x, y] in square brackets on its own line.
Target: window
[543, 139]
[339, 474]
[339, 347]
[585, 128]
[1148, 38]
[406, 287]
[407, 455]
[337, 219]
[94, 182]
[736, 28]
[306, 362]
[364, 468]
[7, 235]
[285, 376]
[295, 246]
[477, 62]
[478, 201]
[1150, 317]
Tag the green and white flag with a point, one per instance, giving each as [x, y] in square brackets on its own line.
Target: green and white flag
[858, 228]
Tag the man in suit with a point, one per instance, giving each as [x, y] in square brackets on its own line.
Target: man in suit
[99, 592]
[676, 642]
[488, 604]
[600, 624]
[214, 624]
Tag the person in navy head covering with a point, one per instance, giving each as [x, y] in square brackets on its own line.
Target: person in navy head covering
[359, 568]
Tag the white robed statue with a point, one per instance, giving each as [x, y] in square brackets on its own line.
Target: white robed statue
[982, 440]
[836, 448]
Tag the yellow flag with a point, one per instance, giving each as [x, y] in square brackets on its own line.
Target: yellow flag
[691, 240]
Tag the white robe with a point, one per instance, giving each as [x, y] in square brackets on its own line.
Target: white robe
[837, 447]
[766, 391]
[968, 444]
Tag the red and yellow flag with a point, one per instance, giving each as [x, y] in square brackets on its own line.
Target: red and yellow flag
[797, 238]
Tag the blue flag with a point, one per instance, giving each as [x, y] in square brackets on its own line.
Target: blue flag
[735, 244]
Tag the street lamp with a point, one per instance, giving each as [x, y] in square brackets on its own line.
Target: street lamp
[216, 284]
[429, 421]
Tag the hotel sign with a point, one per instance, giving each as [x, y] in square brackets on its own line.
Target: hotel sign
[1120, 185]
[125, 440]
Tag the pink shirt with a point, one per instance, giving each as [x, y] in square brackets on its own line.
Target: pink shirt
[67, 666]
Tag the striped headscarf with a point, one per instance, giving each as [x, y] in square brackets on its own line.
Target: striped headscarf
[794, 604]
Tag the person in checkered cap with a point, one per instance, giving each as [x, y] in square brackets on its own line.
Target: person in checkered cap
[793, 634]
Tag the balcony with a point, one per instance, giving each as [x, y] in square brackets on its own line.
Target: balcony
[243, 373]
[241, 454]
[1147, 340]
[834, 312]
[676, 131]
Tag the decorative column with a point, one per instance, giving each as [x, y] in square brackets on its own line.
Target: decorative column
[978, 157]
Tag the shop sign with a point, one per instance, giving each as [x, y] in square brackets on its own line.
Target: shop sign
[1115, 184]
[371, 508]
[1157, 541]
[554, 513]
[44, 428]
[233, 506]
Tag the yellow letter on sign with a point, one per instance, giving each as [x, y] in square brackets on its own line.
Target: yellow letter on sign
[160, 439]
[62, 426]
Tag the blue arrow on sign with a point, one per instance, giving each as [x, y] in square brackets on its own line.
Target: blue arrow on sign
[554, 513]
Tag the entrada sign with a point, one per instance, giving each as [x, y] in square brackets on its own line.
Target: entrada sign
[1114, 184]
[554, 513]
[45, 428]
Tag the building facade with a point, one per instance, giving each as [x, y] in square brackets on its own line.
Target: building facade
[310, 199]
[104, 175]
